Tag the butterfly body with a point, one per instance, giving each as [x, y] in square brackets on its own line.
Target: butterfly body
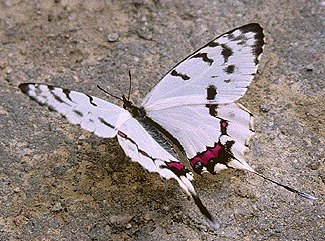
[159, 134]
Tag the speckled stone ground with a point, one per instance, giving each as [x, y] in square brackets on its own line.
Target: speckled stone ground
[58, 182]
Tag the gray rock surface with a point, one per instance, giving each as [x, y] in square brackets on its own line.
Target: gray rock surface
[58, 182]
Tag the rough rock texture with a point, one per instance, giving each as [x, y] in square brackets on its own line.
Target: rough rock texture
[58, 182]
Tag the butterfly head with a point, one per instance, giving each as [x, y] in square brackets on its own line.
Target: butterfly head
[126, 103]
[130, 107]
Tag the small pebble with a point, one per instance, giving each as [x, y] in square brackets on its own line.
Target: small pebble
[55, 224]
[147, 217]
[9, 70]
[265, 107]
[17, 189]
[112, 37]
[57, 207]
[310, 68]
[120, 219]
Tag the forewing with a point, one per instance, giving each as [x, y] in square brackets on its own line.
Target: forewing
[91, 113]
[218, 72]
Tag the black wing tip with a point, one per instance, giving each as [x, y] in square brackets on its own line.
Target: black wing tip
[210, 219]
[24, 87]
[259, 37]
[251, 27]
[255, 27]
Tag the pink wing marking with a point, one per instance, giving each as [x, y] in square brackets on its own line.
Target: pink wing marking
[177, 165]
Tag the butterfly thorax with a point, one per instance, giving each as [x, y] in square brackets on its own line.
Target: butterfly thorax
[158, 133]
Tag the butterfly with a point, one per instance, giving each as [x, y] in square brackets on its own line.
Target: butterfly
[191, 113]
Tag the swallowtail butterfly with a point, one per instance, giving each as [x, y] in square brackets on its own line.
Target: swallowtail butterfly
[191, 112]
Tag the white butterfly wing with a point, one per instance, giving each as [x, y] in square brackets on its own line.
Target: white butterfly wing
[108, 120]
[105, 120]
[194, 101]
[226, 66]
[91, 113]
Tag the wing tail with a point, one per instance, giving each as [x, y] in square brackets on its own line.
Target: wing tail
[302, 194]
[187, 186]
[212, 222]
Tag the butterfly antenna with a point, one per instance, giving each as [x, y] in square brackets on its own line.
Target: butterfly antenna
[109, 93]
[302, 194]
[130, 78]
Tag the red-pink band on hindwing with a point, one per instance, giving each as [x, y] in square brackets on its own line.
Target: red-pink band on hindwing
[209, 158]
[207, 155]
